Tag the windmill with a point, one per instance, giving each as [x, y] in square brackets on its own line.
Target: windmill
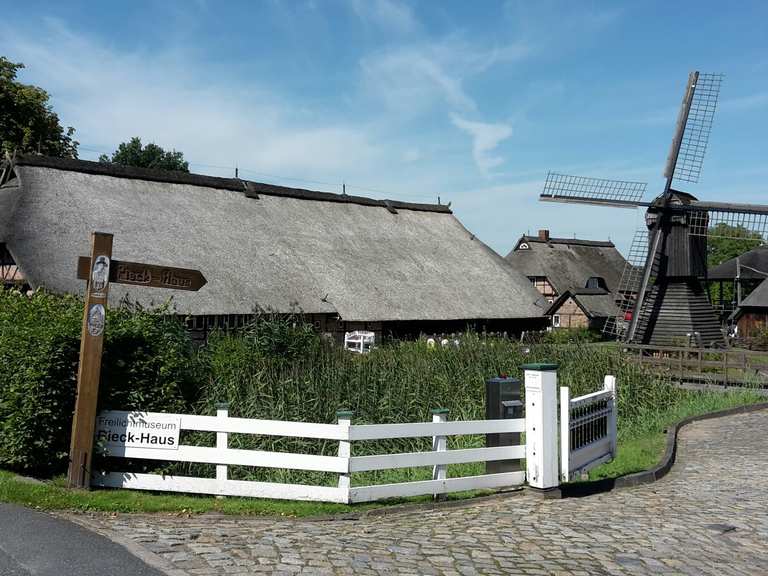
[662, 294]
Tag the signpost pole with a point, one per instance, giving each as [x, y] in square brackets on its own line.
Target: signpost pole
[89, 370]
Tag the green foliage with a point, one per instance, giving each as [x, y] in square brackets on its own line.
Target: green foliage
[571, 336]
[27, 121]
[148, 364]
[396, 382]
[725, 242]
[132, 153]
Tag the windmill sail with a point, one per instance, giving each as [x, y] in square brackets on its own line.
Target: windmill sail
[629, 285]
[599, 191]
[694, 125]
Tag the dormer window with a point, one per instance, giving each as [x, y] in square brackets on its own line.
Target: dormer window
[523, 246]
[596, 282]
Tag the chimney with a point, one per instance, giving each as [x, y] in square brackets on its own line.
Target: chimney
[544, 235]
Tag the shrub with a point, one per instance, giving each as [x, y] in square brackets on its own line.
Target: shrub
[148, 363]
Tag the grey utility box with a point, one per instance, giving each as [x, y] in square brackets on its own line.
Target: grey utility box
[502, 400]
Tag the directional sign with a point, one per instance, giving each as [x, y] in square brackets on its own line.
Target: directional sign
[100, 271]
[151, 275]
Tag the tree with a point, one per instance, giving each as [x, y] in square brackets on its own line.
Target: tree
[132, 153]
[27, 121]
[726, 242]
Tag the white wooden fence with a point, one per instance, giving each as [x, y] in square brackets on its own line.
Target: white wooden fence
[587, 429]
[344, 463]
[587, 438]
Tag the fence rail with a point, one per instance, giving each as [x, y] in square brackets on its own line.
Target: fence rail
[587, 429]
[726, 367]
[343, 464]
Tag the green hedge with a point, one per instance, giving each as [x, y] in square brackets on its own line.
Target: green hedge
[148, 363]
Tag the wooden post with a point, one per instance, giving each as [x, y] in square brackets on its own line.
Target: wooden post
[565, 434]
[222, 443]
[344, 419]
[541, 425]
[439, 444]
[89, 370]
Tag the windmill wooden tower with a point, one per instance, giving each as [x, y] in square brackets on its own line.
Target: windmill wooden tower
[662, 295]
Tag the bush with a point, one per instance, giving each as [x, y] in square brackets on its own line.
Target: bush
[148, 364]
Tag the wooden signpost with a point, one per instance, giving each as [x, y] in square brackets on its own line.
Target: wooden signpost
[100, 270]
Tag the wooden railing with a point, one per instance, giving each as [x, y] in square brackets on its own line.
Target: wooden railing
[728, 367]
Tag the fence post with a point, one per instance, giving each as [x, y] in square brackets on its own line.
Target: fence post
[344, 419]
[222, 443]
[439, 444]
[610, 384]
[541, 425]
[565, 434]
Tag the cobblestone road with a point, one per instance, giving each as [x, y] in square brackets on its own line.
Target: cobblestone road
[709, 516]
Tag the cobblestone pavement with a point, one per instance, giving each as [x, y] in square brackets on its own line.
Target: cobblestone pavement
[709, 516]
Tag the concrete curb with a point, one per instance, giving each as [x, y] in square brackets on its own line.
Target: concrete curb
[664, 465]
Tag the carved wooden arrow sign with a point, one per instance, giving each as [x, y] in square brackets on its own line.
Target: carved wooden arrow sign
[151, 275]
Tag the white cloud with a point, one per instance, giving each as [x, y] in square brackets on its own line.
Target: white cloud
[485, 139]
[389, 15]
[162, 97]
[411, 79]
[749, 102]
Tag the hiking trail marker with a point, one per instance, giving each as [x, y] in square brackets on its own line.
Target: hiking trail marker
[99, 271]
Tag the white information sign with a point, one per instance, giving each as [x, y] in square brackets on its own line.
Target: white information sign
[120, 429]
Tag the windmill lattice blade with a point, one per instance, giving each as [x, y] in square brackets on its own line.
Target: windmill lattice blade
[722, 224]
[584, 190]
[629, 285]
[698, 128]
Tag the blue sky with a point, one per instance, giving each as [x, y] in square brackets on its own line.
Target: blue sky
[470, 101]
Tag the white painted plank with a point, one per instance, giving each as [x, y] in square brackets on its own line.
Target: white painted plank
[591, 398]
[243, 488]
[232, 456]
[264, 427]
[412, 459]
[382, 491]
[422, 429]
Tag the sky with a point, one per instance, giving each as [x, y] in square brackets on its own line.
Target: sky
[469, 102]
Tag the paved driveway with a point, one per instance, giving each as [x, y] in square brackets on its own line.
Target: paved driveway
[709, 516]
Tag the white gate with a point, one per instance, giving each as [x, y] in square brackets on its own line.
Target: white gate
[587, 429]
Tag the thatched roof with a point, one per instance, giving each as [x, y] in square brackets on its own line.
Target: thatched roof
[751, 263]
[568, 262]
[257, 244]
[595, 303]
[758, 298]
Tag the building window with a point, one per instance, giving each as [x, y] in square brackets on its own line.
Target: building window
[556, 320]
[596, 282]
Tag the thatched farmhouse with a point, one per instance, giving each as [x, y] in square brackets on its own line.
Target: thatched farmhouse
[346, 262]
[578, 278]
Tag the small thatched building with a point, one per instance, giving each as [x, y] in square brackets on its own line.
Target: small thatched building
[579, 278]
[346, 262]
[583, 308]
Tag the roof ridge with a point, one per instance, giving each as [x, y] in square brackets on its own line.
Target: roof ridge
[605, 243]
[235, 184]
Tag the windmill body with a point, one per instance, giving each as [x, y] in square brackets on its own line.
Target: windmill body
[677, 309]
[663, 295]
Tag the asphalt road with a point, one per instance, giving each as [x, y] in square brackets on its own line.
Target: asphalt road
[37, 544]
